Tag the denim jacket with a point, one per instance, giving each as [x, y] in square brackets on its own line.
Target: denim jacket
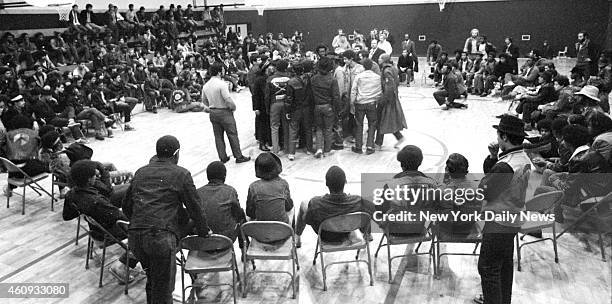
[156, 197]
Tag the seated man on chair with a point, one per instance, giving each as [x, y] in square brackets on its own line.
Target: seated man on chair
[219, 203]
[410, 159]
[87, 199]
[320, 208]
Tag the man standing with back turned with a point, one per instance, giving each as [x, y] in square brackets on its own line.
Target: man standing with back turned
[216, 97]
[154, 204]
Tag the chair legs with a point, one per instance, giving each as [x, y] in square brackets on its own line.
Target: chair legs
[245, 274]
[293, 276]
[518, 252]
[370, 262]
[554, 240]
[234, 273]
[314, 260]
[127, 271]
[379, 245]
[88, 254]
[388, 262]
[23, 202]
[323, 271]
[602, 247]
[76, 239]
[103, 261]
[182, 283]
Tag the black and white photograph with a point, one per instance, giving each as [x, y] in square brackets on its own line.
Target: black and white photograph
[298, 152]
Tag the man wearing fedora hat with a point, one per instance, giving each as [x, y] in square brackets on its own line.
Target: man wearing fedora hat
[588, 98]
[505, 185]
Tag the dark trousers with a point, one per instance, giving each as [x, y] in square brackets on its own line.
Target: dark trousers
[526, 108]
[262, 128]
[63, 122]
[301, 120]
[496, 263]
[442, 97]
[126, 108]
[223, 122]
[365, 110]
[156, 250]
[380, 137]
[324, 118]
[490, 83]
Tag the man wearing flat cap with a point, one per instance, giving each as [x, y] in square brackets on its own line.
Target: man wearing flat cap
[154, 204]
[505, 187]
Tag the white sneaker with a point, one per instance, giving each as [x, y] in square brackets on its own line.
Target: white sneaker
[319, 153]
[509, 84]
[400, 142]
[7, 191]
[72, 123]
[62, 194]
[291, 157]
[444, 107]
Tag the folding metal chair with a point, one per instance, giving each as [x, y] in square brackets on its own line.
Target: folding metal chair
[26, 181]
[214, 253]
[350, 223]
[79, 226]
[109, 239]
[592, 208]
[415, 232]
[269, 240]
[540, 204]
[475, 237]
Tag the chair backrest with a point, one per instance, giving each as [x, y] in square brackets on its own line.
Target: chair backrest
[346, 222]
[267, 231]
[107, 234]
[214, 242]
[271, 209]
[543, 202]
[11, 167]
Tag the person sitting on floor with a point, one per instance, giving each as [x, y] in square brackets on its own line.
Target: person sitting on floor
[182, 100]
[219, 203]
[85, 198]
[337, 202]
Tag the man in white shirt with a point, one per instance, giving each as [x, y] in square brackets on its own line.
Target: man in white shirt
[218, 102]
